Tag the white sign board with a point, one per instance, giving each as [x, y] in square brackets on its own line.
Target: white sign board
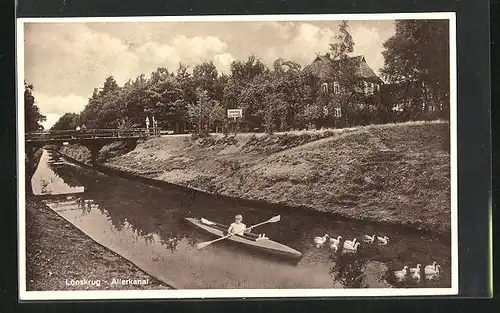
[234, 113]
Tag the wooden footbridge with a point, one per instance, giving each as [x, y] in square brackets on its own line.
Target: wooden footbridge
[93, 139]
[81, 136]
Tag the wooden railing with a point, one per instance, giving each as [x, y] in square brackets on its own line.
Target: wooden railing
[89, 134]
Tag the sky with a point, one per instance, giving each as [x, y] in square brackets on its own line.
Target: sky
[66, 61]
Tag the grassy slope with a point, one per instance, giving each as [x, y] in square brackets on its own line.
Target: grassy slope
[77, 152]
[395, 173]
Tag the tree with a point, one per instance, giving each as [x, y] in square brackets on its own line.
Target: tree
[32, 116]
[245, 89]
[110, 85]
[274, 106]
[417, 56]
[205, 76]
[205, 112]
[218, 116]
[288, 87]
[344, 44]
[105, 107]
[311, 116]
[69, 121]
[244, 72]
[345, 75]
[164, 94]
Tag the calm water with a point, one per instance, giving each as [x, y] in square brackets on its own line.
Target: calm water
[145, 224]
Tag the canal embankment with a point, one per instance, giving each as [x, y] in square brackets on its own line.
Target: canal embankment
[393, 174]
[61, 257]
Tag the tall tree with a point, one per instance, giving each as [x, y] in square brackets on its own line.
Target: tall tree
[244, 72]
[68, 121]
[32, 116]
[163, 91]
[344, 44]
[345, 69]
[341, 50]
[201, 113]
[205, 76]
[104, 107]
[417, 56]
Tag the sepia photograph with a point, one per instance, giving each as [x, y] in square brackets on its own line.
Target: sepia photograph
[237, 156]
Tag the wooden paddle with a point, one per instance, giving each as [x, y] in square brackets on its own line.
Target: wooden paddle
[275, 219]
[202, 245]
[206, 243]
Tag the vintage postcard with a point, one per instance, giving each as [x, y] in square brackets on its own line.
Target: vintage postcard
[237, 156]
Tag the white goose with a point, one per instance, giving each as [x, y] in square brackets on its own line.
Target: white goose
[350, 243]
[430, 267]
[319, 241]
[351, 249]
[433, 276]
[335, 241]
[369, 239]
[334, 246]
[382, 240]
[401, 275]
[435, 271]
[415, 269]
[416, 276]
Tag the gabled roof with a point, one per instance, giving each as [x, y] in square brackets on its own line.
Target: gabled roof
[324, 67]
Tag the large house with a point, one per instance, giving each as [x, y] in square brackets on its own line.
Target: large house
[328, 69]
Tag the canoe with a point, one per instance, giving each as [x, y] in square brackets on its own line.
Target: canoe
[250, 240]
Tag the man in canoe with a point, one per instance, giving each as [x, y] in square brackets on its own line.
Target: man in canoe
[238, 228]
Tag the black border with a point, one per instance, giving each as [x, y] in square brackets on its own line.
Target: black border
[474, 145]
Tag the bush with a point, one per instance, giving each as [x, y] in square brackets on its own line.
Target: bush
[196, 136]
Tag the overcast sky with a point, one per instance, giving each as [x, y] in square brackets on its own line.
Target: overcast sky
[65, 61]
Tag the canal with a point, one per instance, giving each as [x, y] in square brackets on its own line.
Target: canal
[145, 224]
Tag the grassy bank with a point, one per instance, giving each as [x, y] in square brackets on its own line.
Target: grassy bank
[394, 173]
[57, 252]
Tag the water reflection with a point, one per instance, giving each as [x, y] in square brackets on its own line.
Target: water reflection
[120, 209]
[348, 270]
[46, 181]
[146, 225]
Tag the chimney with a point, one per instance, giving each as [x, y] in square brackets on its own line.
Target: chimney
[327, 55]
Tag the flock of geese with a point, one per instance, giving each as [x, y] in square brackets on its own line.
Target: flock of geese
[349, 245]
[431, 272]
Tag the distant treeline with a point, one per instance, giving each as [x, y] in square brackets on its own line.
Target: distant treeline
[283, 97]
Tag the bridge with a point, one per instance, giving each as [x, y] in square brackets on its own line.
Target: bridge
[61, 136]
[93, 139]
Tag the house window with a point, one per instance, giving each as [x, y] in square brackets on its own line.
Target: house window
[370, 88]
[324, 87]
[325, 110]
[338, 112]
[367, 87]
[336, 87]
